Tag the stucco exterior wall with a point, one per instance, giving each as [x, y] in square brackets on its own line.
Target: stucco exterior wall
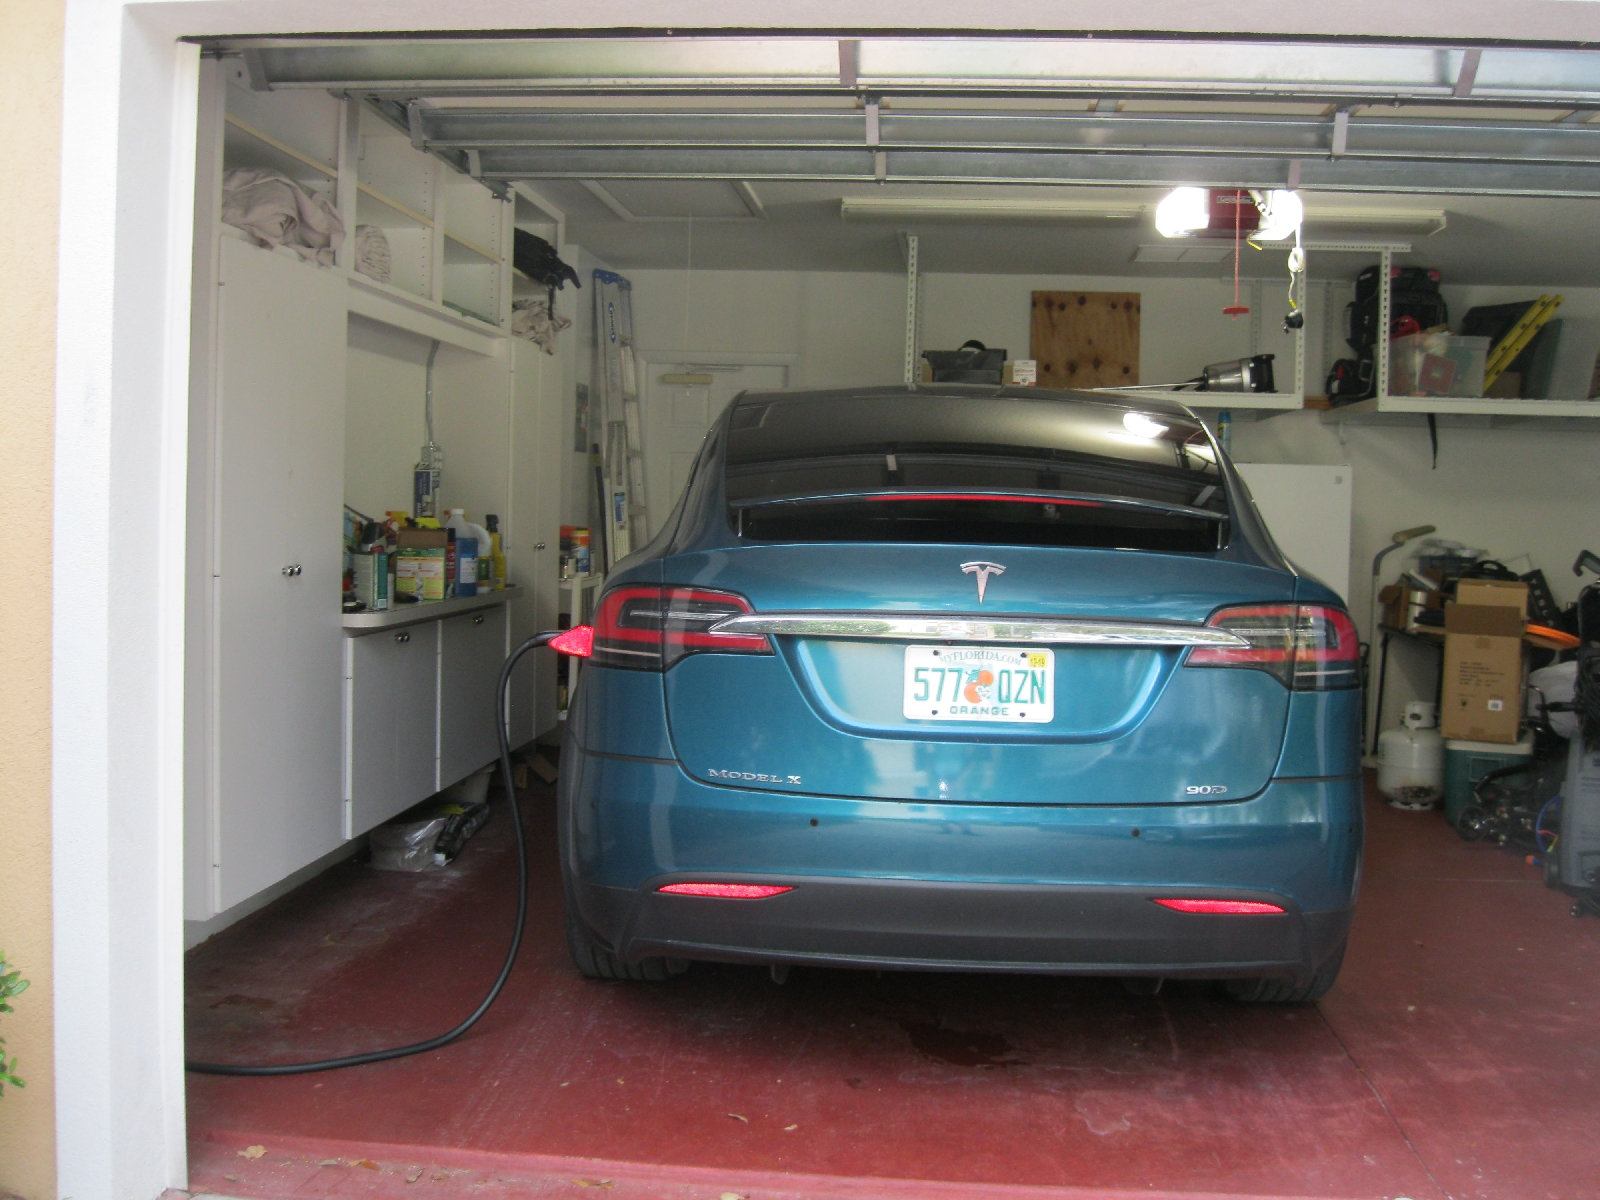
[30, 136]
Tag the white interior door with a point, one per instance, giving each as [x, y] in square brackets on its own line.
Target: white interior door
[677, 415]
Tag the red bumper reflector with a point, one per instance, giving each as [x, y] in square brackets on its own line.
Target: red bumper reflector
[1220, 906]
[726, 891]
[578, 642]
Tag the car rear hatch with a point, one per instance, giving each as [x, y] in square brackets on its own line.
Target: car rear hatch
[975, 598]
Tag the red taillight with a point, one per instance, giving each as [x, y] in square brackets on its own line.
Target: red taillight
[726, 891]
[1220, 906]
[1309, 647]
[650, 628]
[578, 642]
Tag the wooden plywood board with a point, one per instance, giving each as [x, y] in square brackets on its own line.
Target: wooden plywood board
[1086, 339]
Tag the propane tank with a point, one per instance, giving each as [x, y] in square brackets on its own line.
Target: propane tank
[1411, 759]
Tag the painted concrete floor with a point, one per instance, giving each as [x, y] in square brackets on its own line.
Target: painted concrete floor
[1458, 1056]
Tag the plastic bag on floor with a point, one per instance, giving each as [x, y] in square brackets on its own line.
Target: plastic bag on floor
[407, 845]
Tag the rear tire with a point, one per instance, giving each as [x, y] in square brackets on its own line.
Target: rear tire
[595, 962]
[1275, 991]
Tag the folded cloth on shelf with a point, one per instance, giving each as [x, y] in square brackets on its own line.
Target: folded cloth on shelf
[277, 211]
[532, 321]
[372, 253]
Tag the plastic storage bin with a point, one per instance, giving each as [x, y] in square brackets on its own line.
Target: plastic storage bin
[1465, 763]
[1437, 364]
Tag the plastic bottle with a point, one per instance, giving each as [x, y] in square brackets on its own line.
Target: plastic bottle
[497, 555]
[466, 577]
[456, 519]
[1225, 431]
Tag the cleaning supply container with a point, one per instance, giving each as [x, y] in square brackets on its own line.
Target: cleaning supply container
[1411, 759]
[1466, 763]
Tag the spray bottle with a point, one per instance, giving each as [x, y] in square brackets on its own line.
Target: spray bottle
[430, 462]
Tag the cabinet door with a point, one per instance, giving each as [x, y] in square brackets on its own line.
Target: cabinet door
[277, 792]
[391, 726]
[541, 439]
[471, 649]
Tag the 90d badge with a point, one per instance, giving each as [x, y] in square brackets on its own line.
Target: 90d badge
[1206, 789]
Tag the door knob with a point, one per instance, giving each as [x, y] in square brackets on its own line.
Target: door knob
[292, 569]
[402, 638]
[538, 545]
[478, 620]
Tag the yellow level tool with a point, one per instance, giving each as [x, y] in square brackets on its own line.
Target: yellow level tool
[1515, 342]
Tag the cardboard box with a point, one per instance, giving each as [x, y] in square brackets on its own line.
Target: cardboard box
[1023, 372]
[1480, 695]
[1494, 593]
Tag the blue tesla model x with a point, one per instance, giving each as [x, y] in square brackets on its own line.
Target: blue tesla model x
[965, 678]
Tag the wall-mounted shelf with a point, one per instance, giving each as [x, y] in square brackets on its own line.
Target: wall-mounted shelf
[1413, 410]
[408, 216]
[1486, 411]
[395, 306]
[273, 152]
[460, 250]
[1234, 401]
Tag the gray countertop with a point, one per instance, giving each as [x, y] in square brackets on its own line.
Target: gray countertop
[356, 624]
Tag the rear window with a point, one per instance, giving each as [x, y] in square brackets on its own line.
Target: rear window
[1008, 469]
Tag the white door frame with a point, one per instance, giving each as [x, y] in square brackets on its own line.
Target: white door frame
[127, 206]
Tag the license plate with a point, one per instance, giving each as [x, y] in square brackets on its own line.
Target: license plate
[980, 683]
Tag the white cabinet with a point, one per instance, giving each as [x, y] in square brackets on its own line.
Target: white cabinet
[471, 649]
[538, 442]
[391, 727]
[276, 794]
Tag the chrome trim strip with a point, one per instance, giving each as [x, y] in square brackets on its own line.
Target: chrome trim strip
[1068, 631]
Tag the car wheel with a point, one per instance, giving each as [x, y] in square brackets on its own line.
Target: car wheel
[594, 962]
[1275, 991]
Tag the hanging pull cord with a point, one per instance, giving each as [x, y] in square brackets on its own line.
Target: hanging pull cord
[444, 1039]
[1236, 309]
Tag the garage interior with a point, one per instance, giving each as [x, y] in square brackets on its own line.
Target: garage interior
[813, 212]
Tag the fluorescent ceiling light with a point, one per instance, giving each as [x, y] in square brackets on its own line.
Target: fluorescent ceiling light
[1427, 220]
[919, 208]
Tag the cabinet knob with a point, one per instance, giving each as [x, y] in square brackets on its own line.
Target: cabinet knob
[478, 620]
[292, 569]
[402, 638]
[539, 545]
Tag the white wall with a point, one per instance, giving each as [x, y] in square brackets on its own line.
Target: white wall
[385, 426]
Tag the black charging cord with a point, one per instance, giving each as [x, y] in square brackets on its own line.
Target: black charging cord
[444, 1039]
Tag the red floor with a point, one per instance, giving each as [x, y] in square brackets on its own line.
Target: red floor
[1458, 1056]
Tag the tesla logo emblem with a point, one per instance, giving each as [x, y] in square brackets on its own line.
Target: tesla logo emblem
[982, 570]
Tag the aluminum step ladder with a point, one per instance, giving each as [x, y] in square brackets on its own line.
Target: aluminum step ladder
[619, 435]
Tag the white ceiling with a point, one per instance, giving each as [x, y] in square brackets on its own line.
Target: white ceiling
[1492, 240]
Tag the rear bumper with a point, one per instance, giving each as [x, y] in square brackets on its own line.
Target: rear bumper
[878, 883]
[941, 925]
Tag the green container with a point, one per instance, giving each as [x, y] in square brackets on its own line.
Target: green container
[1466, 763]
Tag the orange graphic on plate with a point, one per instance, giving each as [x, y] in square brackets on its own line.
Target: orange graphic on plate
[980, 688]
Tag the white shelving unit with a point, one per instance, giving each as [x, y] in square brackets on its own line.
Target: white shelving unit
[1384, 409]
[449, 236]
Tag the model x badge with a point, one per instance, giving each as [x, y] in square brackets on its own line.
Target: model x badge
[982, 570]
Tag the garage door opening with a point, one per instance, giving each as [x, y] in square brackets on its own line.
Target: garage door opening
[551, 266]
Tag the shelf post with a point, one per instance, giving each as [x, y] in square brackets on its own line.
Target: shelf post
[1381, 367]
[911, 308]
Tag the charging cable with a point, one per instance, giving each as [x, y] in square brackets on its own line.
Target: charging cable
[444, 1039]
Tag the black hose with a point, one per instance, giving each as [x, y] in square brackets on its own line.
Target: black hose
[444, 1039]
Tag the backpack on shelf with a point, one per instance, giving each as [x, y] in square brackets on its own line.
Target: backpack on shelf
[1351, 379]
[1413, 295]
